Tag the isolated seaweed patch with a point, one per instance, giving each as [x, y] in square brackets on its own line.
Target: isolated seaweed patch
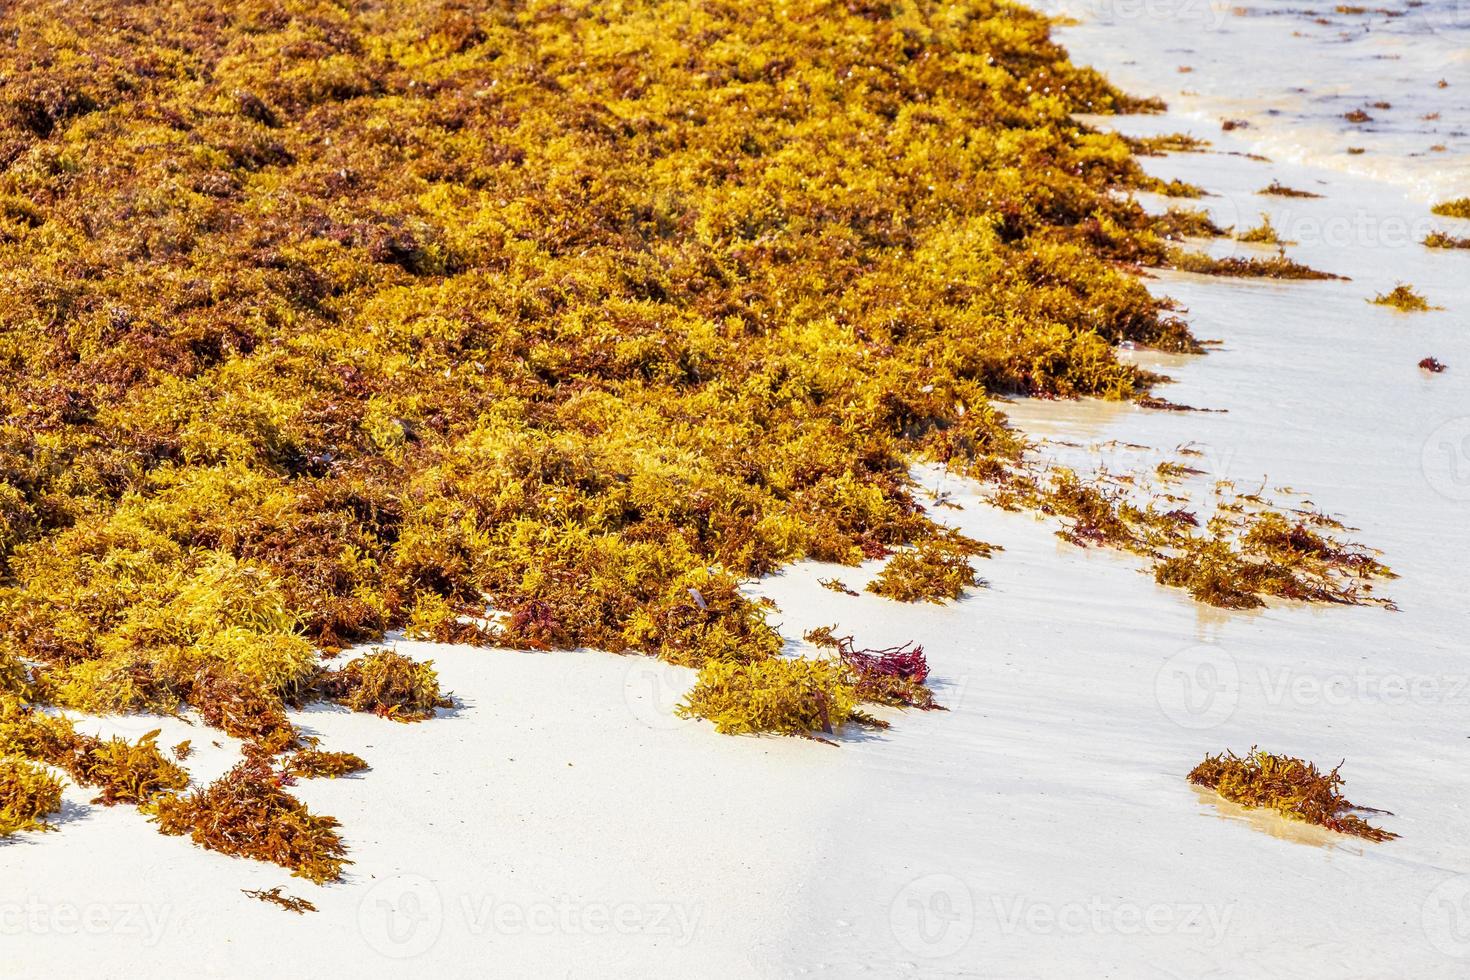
[1457, 208]
[247, 813]
[1292, 787]
[387, 684]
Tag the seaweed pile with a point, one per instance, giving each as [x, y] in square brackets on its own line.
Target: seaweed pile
[319, 319]
[1294, 788]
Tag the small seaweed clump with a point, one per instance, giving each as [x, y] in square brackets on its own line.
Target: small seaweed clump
[275, 896]
[934, 571]
[1292, 787]
[126, 772]
[1263, 234]
[28, 793]
[1433, 365]
[1458, 208]
[387, 684]
[1277, 189]
[1440, 239]
[1177, 223]
[316, 763]
[1275, 267]
[246, 813]
[893, 676]
[783, 696]
[1403, 298]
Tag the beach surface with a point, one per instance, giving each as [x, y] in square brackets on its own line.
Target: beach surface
[562, 821]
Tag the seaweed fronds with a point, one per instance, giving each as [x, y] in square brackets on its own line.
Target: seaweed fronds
[1175, 188]
[28, 793]
[1292, 787]
[836, 585]
[386, 684]
[126, 772]
[1179, 223]
[1277, 189]
[935, 570]
[783, 696]
[316, 763]
[1153, 146]
[246, 813]
[1263, 234]
[274, 896]
[1433, 365]
[892, 676]
[1403, 298]
[1439, 239]
[1275, 267]
[1457, 208]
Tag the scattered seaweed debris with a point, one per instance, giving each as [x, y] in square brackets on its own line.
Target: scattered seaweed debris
[183, 750]
[386, 684]
[1439, 239]
[1433, 365]
[935, 570]
[892, 676]
[1277, 189]
[246, 813]
[28, 794]
[836, 585]
[1245, 552]
[1263, 234]
[1228, 125]
[316, 763]
[1357, 116]
[1457, 208]
[1245, 267]
[1403, 298]
[275, 896]
[1292, 787]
